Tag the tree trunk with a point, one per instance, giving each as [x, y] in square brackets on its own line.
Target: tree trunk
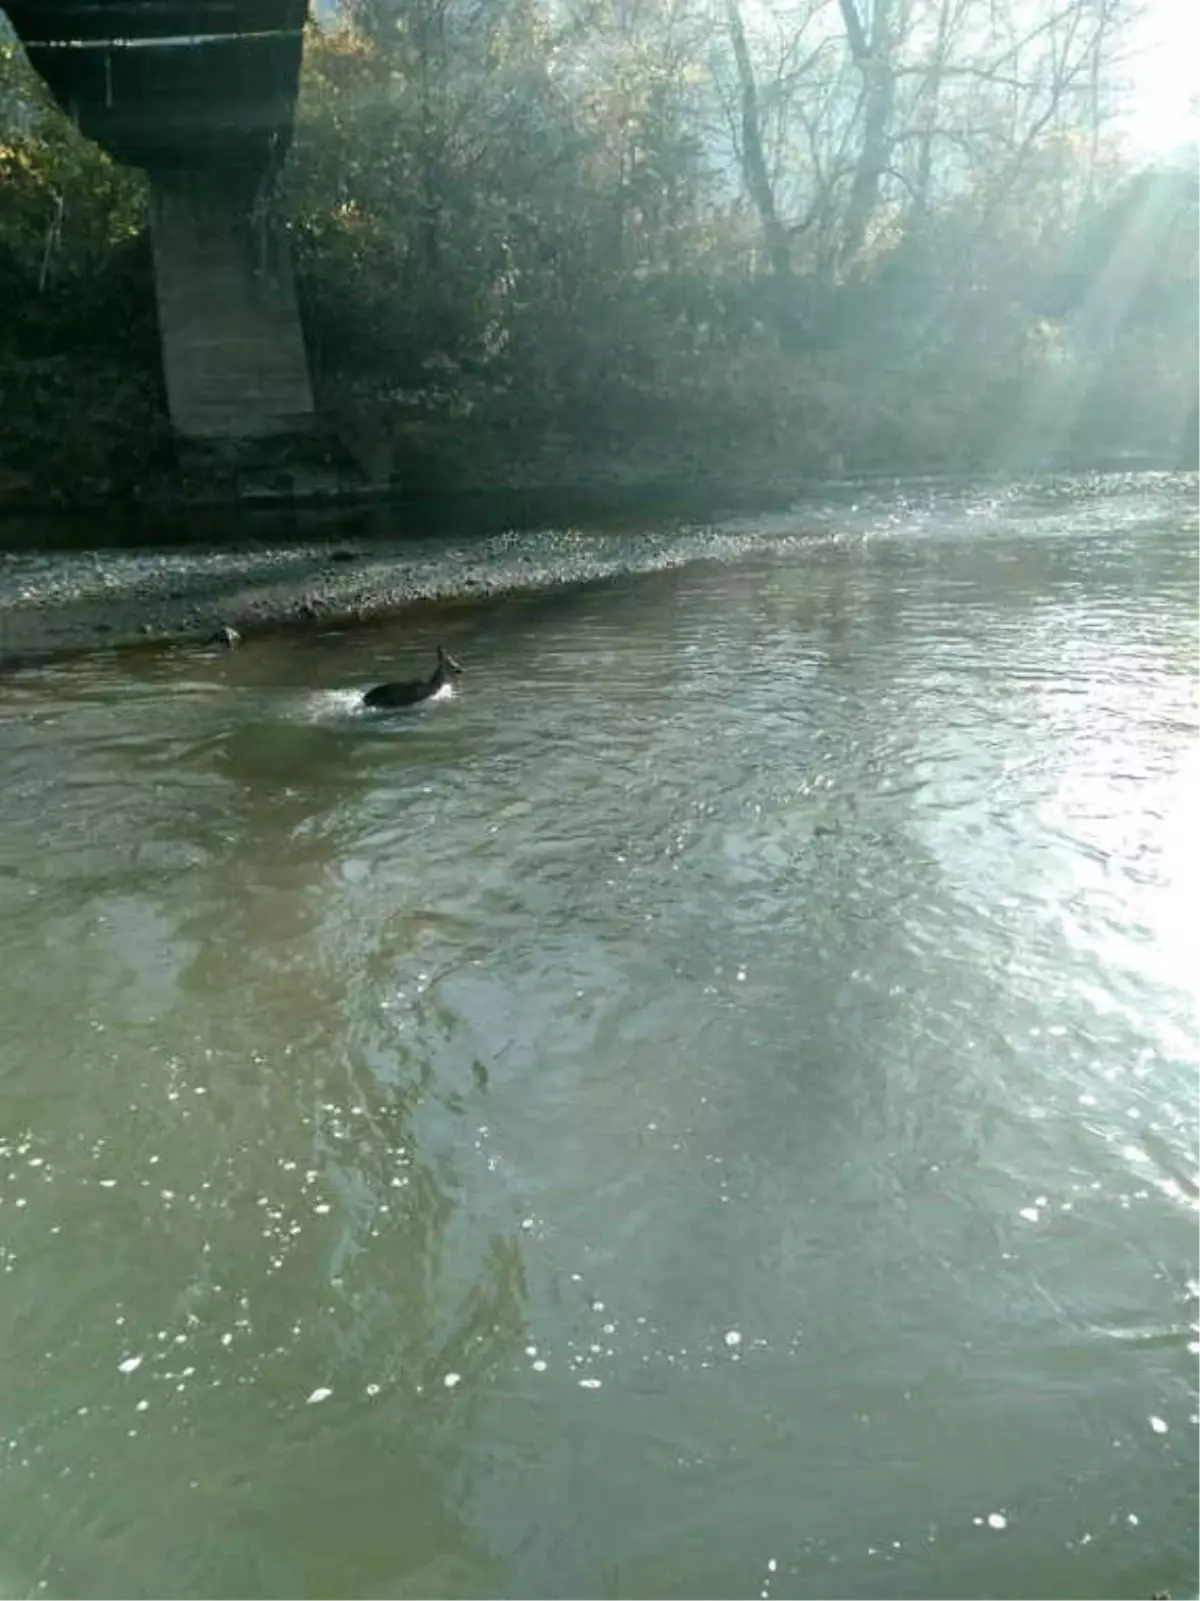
[859, 48]
[879, 93]
[930, 107]
[754, 161]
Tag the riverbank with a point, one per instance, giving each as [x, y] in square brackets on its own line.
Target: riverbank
[87, 580]
[356, 459]
[84, 580]
[357, 453]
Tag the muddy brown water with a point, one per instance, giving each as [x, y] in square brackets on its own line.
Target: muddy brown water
[709, 1110]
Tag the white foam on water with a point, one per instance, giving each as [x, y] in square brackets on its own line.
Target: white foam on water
[330, 705]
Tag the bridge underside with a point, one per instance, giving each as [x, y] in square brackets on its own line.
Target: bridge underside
[166, 84]
[200, 94]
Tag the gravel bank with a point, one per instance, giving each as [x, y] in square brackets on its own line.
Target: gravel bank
[67, 588]
[54, 603]
[65, 600]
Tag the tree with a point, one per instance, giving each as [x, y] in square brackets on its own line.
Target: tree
[904, 235]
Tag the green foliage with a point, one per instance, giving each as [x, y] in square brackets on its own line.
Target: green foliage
[78, 362]
[515, 223]
[487, 233]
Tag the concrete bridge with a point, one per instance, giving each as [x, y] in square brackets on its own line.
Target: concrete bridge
[201, 95]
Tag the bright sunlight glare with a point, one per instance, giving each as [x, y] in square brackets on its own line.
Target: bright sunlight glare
[1164, 101]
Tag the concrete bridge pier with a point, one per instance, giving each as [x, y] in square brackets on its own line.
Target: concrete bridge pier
[200, 94]
[232, 346]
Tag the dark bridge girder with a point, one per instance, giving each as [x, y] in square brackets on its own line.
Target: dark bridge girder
[171, 84]
[200, 94]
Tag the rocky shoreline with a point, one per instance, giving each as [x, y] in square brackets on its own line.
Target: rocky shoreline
[148, 607]
[88, 580]
[184, 596]
[81, 584]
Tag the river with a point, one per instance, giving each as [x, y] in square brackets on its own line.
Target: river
[708, 1110]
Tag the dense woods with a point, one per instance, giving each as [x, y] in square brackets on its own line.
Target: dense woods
[535, 237]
